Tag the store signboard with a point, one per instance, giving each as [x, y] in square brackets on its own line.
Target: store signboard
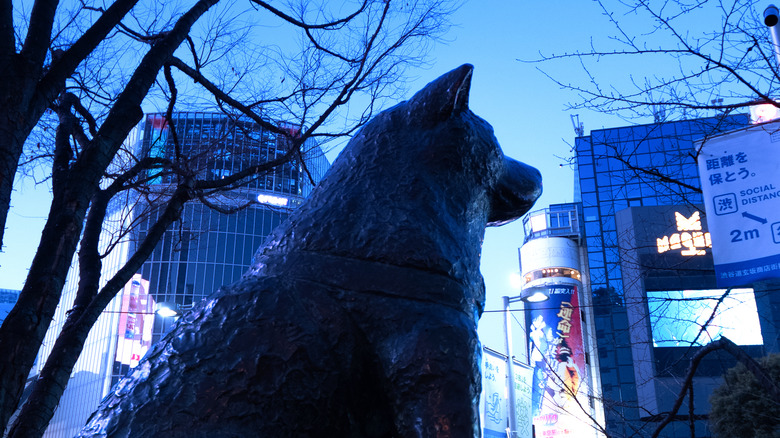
[690, 240]
[740, 179]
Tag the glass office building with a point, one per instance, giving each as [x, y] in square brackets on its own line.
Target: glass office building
[8, 298]
[209, 248]
[647, 247]
[211, 245]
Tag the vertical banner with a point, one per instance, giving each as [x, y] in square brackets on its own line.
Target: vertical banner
[524, 378]
[136, 321]
[739, 181]
[559, 396]
[494, 395]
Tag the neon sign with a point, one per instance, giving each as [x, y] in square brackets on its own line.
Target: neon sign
[272, 200]
[691, 240]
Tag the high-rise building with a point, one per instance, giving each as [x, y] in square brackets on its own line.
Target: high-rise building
[212, 245]
[651, 275]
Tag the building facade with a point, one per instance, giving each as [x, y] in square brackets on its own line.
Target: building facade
[651, 275]
[212, 245]
[565, 395]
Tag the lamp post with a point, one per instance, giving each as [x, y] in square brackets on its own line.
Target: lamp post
[530, 295]
[509, 365]
[771, 15]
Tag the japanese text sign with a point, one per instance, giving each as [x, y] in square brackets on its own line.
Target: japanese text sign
[740, 179]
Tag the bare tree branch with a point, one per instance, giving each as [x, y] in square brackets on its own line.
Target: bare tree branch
[298, 23]
[721, 344]
[97, 100]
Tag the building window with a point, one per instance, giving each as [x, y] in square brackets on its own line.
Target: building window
[552, 272]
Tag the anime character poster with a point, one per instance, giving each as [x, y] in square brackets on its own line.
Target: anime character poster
[559, 396]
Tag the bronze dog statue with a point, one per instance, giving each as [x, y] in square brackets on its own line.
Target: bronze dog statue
[358, 317]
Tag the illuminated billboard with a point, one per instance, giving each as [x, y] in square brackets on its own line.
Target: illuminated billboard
[668, 246]
[680, 318]
[560, 393]
[136, 320]
[690, 239]
[277, 201]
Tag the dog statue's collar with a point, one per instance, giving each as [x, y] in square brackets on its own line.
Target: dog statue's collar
[366, 276]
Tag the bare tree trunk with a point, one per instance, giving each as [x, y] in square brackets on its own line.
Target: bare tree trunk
[18, 116]
[11, 142]
[18, 93]
[27, 90]
[36, 413]
[25, 327]
[47, 390]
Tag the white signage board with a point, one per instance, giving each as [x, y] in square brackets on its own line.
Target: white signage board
[494, 406]
[524, 380]
[494, 395]
[740, 180]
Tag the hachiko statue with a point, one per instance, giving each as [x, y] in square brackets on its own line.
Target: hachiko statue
[358, 316]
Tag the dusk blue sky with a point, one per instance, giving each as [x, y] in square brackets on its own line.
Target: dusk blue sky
[527, 111]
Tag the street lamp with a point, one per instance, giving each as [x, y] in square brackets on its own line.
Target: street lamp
[770, 20]
[509, 365]
[167, 309]
[534, 294]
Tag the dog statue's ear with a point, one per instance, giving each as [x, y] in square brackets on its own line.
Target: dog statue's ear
[443, 98]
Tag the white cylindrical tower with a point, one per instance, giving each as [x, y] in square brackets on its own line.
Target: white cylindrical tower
[556, 315]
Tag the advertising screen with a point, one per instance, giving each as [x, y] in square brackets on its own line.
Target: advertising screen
[136, 320]
[680, 318]
[560, 392]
